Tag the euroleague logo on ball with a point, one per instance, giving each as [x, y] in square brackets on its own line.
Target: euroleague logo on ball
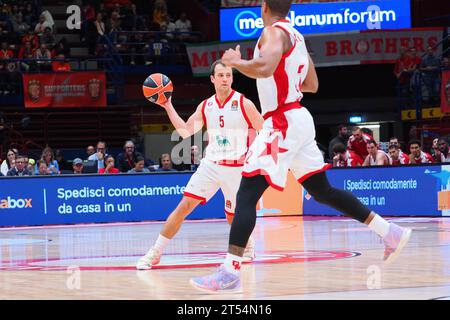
[157, 88]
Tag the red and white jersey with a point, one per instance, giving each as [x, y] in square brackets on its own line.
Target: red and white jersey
[402, 159]
[228, 129]
[352, 160]
[424, 158]
[445, 157]
[386, 157]
[284, 85]
[359, 146]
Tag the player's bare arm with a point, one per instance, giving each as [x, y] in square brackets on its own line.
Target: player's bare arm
[184, 128]
[253, 114]
[311, 82]
[273, 45]
[380, 159]
[367, 161]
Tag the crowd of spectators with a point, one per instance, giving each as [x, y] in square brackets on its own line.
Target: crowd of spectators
[53, 162]
[360, 149]
[138, 37]
[419, 78]
[30, 35]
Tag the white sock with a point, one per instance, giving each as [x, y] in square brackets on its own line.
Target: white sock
[379, 226]
[233, 264]
[161, 242]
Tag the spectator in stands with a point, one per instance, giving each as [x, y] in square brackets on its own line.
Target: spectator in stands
[358, 142]
[29, 14]
[20, 27]
[90, 150]
[100, 155]
[397, 157]
[88, 18]
[443, 152]
[184, 26]
[27, 52]
[47, 38]
[169, 28]
[9, 162]
[417, 156]
[43, 53]
[196, 157]
[139, 50]
[159, 12]
[77, 166]
[2, 132]
[31, 165]
[342, 137]
[40, 27]
[31, 37]
[430, 68]
[63, 164]
[445, 63]
[20, 168]
[166, 163]
[61, 65]
[6, 69]
[375, 157]
[99, 25]
[139, 166]
[402, 73]
[109, 166]
[61, 48]
[42, 169]
[127, 159]
[49, 158]
[345, 158]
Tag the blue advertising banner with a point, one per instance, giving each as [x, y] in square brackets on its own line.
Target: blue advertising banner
[391, 191]
[28, 201]
[309, 18]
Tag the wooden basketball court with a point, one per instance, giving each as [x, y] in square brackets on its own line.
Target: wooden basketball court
[297, 258]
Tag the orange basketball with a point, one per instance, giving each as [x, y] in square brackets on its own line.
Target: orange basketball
[157, 88]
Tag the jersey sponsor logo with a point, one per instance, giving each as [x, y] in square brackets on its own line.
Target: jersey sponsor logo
[234, 105]
[222, 141]
[169, 261]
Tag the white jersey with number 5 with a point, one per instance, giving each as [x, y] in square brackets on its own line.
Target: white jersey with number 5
[228, 129]
[284, 85]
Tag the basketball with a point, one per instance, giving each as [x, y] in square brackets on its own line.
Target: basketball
[157, 88]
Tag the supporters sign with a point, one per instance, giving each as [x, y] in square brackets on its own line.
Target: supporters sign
[74, 89]
[246, 23]
[362, 47]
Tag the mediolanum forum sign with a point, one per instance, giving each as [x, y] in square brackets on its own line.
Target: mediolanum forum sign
[246, 23]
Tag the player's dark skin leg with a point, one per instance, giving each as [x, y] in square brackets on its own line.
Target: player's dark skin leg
[251, 189]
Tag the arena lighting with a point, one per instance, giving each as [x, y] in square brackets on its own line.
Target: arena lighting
[355, 119]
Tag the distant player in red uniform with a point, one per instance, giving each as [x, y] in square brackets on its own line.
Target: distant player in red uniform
[376, 157]
[283, 70]
[345, 158]
[397, 157]
[417, 156]
[358, 142]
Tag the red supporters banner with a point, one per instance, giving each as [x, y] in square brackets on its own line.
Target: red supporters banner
[445, 92]
[75, 89]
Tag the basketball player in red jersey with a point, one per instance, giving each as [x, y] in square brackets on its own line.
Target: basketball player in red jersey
[376, 157]
[283, 69]
[228, 117]
[358, 142]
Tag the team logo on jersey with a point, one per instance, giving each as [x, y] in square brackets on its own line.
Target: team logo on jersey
[228, 204]
[234, 105]
[222, 141]
[210, 104]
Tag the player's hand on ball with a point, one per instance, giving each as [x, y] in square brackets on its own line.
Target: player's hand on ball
[166, 104]
[232, 56]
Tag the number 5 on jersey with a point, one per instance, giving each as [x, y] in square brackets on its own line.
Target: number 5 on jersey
[221, 122]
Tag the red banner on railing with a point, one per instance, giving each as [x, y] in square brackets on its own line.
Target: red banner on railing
[75, 89]
[445, 92]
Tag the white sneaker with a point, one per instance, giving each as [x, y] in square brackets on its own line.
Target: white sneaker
[249, 253]
[394, 242]
[151, 259]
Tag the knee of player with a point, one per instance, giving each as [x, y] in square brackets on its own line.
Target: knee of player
[186, 206]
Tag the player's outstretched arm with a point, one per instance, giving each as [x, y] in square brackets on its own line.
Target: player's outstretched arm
[184, 128]
[270, 53]
[366, 161]
[311, 82]
[253, 114]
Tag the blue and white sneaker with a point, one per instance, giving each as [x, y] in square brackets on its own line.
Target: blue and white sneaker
[220, 282]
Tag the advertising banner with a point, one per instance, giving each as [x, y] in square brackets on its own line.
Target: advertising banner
[252, 3]
[28, 201]
[445, 91]
[350, 48]
[64, 89]
[309, 18]
[391, 191]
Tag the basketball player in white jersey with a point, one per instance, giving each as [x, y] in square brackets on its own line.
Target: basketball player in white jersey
[284, 70]
[376, 157]
[228, 117]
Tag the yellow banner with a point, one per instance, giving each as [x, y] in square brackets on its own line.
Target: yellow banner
[409, 114]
